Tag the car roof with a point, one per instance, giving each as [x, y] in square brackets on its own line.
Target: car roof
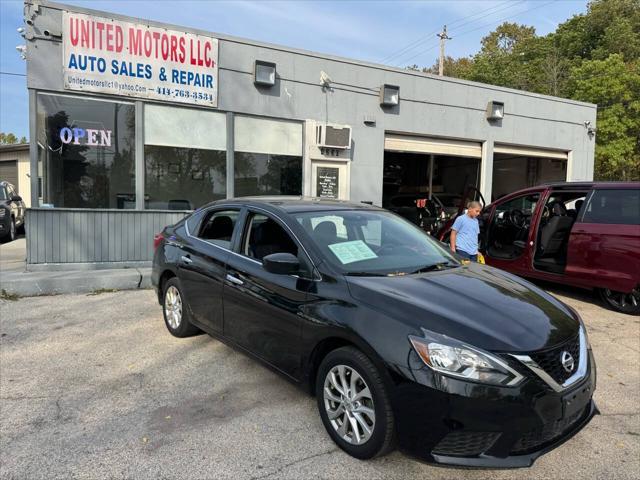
[295, 204]
[570, 186]
[590, 185]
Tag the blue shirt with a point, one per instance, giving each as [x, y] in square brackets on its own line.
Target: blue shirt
[467, 231]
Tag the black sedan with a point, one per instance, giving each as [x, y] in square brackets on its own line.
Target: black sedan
[401, 343]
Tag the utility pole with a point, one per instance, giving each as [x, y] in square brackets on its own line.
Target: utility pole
[443, 37]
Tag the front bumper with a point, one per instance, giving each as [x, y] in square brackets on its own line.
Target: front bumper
[448, 421]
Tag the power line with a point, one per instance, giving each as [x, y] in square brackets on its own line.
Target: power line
[425, 38]
[14, 74]
[483, 26]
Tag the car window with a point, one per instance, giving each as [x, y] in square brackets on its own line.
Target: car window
[264, 237]
[377, 243]
[341, 230]
[217, 227]
[3, 194]
[193, 220]
[621, 207]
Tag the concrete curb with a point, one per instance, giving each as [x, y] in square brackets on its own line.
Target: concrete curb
[30, 284]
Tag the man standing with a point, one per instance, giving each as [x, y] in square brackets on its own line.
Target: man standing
[465, 231]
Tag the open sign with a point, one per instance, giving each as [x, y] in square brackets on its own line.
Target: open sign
[89, 136]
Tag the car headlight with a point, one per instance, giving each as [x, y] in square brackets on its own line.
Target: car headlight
[3, 212]
[456, 359]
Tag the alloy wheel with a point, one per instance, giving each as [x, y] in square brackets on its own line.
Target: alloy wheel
[173, 307]
[349, 404]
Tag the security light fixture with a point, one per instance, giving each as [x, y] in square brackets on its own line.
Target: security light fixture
[495, 110]
[265, 73]
[22, 50]
[389, 95]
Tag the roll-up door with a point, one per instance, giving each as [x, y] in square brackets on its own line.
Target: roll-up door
[437, 146]
[530, 151]
[9, 172]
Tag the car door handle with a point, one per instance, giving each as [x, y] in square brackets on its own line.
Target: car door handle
[234, 280]
[186, 259]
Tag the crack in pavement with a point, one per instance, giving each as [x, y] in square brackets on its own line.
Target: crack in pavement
[295, 462]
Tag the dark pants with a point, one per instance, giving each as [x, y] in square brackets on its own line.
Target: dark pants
[468, 256]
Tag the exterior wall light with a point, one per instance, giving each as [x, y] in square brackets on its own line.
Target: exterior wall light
[389, 95]
[495, 110]
[264, 73]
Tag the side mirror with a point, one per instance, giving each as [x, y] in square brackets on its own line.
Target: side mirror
[281, 263]
[16, 198]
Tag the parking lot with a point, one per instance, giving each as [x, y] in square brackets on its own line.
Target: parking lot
[94, 386]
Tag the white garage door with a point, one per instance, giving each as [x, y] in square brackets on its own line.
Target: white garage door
[437, 146]
[519, 151]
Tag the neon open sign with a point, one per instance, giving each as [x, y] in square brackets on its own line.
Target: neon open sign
[89, 136]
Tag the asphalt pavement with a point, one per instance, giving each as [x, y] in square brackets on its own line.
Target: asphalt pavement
[93, 386]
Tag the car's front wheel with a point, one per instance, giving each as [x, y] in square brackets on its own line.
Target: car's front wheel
[10, 236]
[354, 404]
[175, 311]
[622, 302]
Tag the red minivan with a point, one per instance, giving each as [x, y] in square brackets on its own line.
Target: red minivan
[585, 234]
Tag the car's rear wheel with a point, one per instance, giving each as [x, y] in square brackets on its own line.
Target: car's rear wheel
[622, 302]
[175, 311]
[354, 404]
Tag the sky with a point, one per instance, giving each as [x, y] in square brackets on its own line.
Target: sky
[397, 33]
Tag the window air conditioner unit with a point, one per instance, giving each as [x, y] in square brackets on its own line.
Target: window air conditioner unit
[333, 136]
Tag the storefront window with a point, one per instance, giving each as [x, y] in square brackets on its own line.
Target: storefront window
[87, 152]
[185, 157]
[268, 157]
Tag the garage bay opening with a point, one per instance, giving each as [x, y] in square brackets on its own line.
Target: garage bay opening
[425, 179]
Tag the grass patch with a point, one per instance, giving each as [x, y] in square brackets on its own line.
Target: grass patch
[12, 297]
[100, 291]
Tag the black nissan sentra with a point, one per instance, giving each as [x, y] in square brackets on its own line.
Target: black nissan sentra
[401, 343]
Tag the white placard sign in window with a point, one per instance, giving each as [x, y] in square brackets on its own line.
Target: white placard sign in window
[122, 58]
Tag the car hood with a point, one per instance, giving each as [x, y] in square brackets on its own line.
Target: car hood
[477, 304]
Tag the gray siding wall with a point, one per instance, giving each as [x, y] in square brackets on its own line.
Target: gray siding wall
[65, 235]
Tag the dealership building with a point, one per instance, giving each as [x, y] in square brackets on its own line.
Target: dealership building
[133, 121]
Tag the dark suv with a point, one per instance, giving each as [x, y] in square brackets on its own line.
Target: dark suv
[11, 212]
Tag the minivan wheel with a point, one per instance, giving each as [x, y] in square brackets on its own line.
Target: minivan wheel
[354, 404]
[622, 302]
[176, 315]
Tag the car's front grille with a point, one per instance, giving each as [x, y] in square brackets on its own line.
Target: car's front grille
[465, 444]
[551, 360]
[550, 431]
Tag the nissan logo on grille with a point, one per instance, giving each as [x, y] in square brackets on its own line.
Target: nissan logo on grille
[567, 361]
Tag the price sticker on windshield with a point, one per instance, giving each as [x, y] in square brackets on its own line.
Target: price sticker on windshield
[354, 251]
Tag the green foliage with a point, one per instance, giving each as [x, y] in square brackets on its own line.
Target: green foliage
[615, 86]
[593, 57]
[10, 139]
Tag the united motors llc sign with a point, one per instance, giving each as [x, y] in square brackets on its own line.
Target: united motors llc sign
[110, 56]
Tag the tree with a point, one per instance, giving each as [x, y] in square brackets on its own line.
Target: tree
[10, 139]
[593, 57]
[501, 60]
[615, 86]
[453, 67]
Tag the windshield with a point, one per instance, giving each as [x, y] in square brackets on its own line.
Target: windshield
[374, 243]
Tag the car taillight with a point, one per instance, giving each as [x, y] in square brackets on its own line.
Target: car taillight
[157, 238]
